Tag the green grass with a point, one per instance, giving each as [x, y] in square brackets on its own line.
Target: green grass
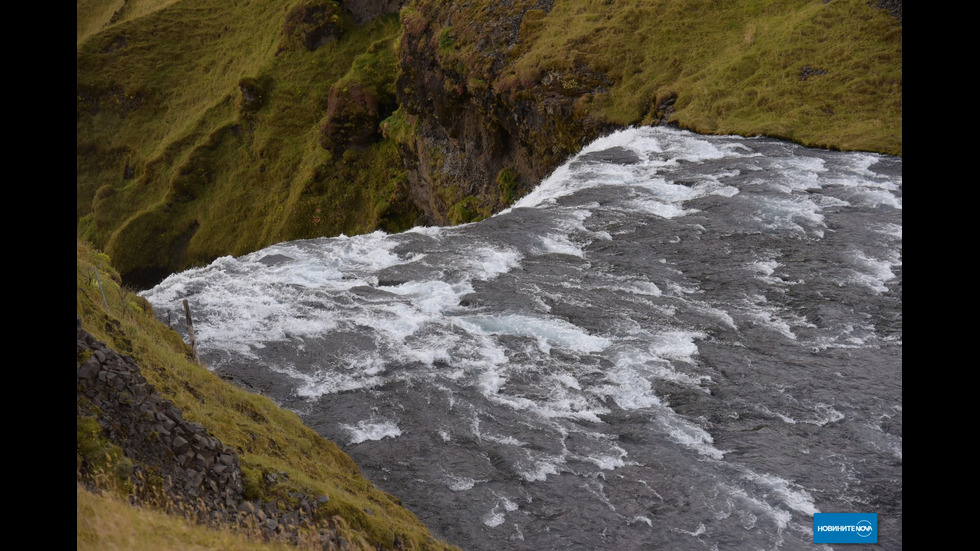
[268, 438]
[734, 66]
[174, 169]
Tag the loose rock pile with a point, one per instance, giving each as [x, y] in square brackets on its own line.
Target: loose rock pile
[894, 7]
[200, 476]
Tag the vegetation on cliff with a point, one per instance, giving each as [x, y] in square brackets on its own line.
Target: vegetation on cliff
[268, 439]
[824, 74]
[206, 127]
[522, 85]
[197, 128]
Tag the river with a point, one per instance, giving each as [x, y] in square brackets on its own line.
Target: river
[675, 341]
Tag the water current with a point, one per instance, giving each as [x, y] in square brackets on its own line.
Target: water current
[675, 341]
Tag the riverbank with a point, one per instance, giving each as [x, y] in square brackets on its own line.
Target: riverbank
[159, 430]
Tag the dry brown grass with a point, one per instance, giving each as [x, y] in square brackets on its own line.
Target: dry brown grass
[107, 522]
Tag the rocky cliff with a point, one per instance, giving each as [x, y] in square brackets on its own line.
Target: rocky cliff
[478, 143]
[498, 94]
[169, 462]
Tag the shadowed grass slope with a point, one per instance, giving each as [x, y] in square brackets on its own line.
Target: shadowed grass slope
[197, 129]
[267, 438]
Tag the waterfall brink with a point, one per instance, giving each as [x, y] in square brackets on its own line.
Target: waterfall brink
[675, 341]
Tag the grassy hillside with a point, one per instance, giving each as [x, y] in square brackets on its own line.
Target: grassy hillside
[214, 127]
[267, 438]
[198, 128]
[822, 73]
[825, 74]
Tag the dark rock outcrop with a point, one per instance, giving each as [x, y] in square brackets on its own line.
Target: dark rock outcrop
[365, 10]
[473, 123]
[199, 476]
[313, 23]
[352, 118]
[893, 6]
[151, 430]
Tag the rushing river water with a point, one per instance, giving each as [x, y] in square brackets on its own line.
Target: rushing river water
[674, 342]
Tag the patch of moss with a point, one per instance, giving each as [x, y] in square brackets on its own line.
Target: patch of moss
[399, 127]
[360, 100]
[252, 483]
[99, 458]
[467, 210]
[313, 23]
[218, 153]
[508, 186]
[254, 93]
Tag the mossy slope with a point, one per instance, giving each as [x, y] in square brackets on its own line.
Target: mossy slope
[199, 121]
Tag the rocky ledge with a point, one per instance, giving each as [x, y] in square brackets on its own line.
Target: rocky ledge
[199, 476]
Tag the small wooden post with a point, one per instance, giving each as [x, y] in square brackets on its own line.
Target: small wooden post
[104, 301]
[190, 331]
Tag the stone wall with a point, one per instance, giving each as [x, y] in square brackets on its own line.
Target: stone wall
[200, 476]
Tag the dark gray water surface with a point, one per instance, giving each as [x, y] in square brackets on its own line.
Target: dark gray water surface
[675, 342]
